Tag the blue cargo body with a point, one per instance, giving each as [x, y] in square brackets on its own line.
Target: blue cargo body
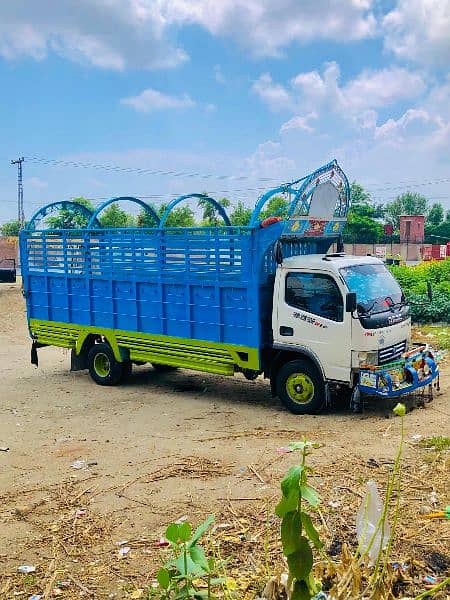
[212, 284]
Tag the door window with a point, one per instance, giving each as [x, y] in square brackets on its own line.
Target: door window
[315, 293]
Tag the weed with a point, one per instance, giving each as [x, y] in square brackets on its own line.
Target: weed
[298, 534]
[188, 573]
[438, 443]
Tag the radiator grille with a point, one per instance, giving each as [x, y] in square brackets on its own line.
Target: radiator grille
[391, 353]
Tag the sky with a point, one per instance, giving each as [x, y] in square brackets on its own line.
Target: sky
[157, 98]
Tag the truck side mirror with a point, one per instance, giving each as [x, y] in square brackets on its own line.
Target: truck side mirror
[278, 253]
[350, 302]
[429, 291]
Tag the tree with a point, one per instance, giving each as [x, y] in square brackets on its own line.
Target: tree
[436, 214]
[438, 234]
[69, 218]
[10, 228]
[447, 215]
[409, 203]
[180, 216]
[276, 207]
[358, 195]
[241, 214]
[210, 215]
[114, 216]
[361, 225]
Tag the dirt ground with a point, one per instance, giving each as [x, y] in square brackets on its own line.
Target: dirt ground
[164, 446]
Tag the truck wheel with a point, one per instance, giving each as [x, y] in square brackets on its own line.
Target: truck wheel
[103, 367]
[300, 387]
[163, 368]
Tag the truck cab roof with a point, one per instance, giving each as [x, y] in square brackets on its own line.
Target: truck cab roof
[327, 262]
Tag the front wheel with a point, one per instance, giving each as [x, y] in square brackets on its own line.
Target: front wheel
[301, 387]
[103, 367]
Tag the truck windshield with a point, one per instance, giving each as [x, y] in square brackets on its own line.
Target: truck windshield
[375, 287]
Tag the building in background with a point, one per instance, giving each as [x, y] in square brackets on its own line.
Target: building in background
[412, 229]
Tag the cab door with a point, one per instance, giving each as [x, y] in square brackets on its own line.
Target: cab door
[311, 315]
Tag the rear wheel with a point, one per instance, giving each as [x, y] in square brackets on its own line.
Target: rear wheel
[103, 367]
[301, 387]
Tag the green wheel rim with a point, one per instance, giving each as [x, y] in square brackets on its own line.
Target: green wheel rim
[300, 388]
[102, 364]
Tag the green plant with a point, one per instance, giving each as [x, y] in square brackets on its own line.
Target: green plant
[298, 534]
[439, 443]
[188, 573]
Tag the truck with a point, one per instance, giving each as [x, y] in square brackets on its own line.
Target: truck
[276, 298]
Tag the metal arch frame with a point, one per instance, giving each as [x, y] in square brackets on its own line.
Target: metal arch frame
[332, 165]
[176, 201]
[61, 205]
[299, 192]
[282, 189]
[144, 205]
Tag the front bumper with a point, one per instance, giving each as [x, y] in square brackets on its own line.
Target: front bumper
[415, 370]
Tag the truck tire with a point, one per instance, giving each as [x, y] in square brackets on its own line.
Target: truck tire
[103, 367]
[127, 369]
[301, 387]
[163, 368]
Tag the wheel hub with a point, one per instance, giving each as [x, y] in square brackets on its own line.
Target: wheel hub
[300, 388]
[102, 365]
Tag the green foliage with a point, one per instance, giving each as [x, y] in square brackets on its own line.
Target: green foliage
[180, 216]
[435, 214]
[361, 225]
[68, 218]
[241, 214]
[413, 281]
[276, 207]
[210, 215]
[409, 203]
[114, 216]
[188, 570]
[438, 234]
[439, 443]
[10, 228]
[298, 534]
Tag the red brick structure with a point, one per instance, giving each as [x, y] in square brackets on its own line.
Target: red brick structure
[412, 229]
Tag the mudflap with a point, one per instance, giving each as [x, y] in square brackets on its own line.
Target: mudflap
[34, 354]
[77, 361]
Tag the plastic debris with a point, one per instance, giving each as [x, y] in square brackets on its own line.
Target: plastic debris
[26, 569]
[57, 592]
[35, 597]
[430, 580]
[122, 543]
[124, 550]
[433, 498]
[368, 528]
[181, 520]
[334, 504]
[284, 450]
[162, 543]
[4, 448]
[79, 464]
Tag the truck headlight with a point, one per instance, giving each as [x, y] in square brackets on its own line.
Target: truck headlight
[368, 358]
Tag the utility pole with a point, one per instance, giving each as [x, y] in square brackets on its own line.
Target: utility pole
[20, 211]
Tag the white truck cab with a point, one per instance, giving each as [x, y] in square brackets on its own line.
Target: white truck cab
[315, 313]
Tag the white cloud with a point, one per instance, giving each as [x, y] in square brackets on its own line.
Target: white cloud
[356, 100]
[300, 122]
[120, 34]
[266, 27]
[419, 30]
[112, 34]
[150, 100]
[273, 94]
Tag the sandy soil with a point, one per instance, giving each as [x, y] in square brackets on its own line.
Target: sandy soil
[164, 446]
